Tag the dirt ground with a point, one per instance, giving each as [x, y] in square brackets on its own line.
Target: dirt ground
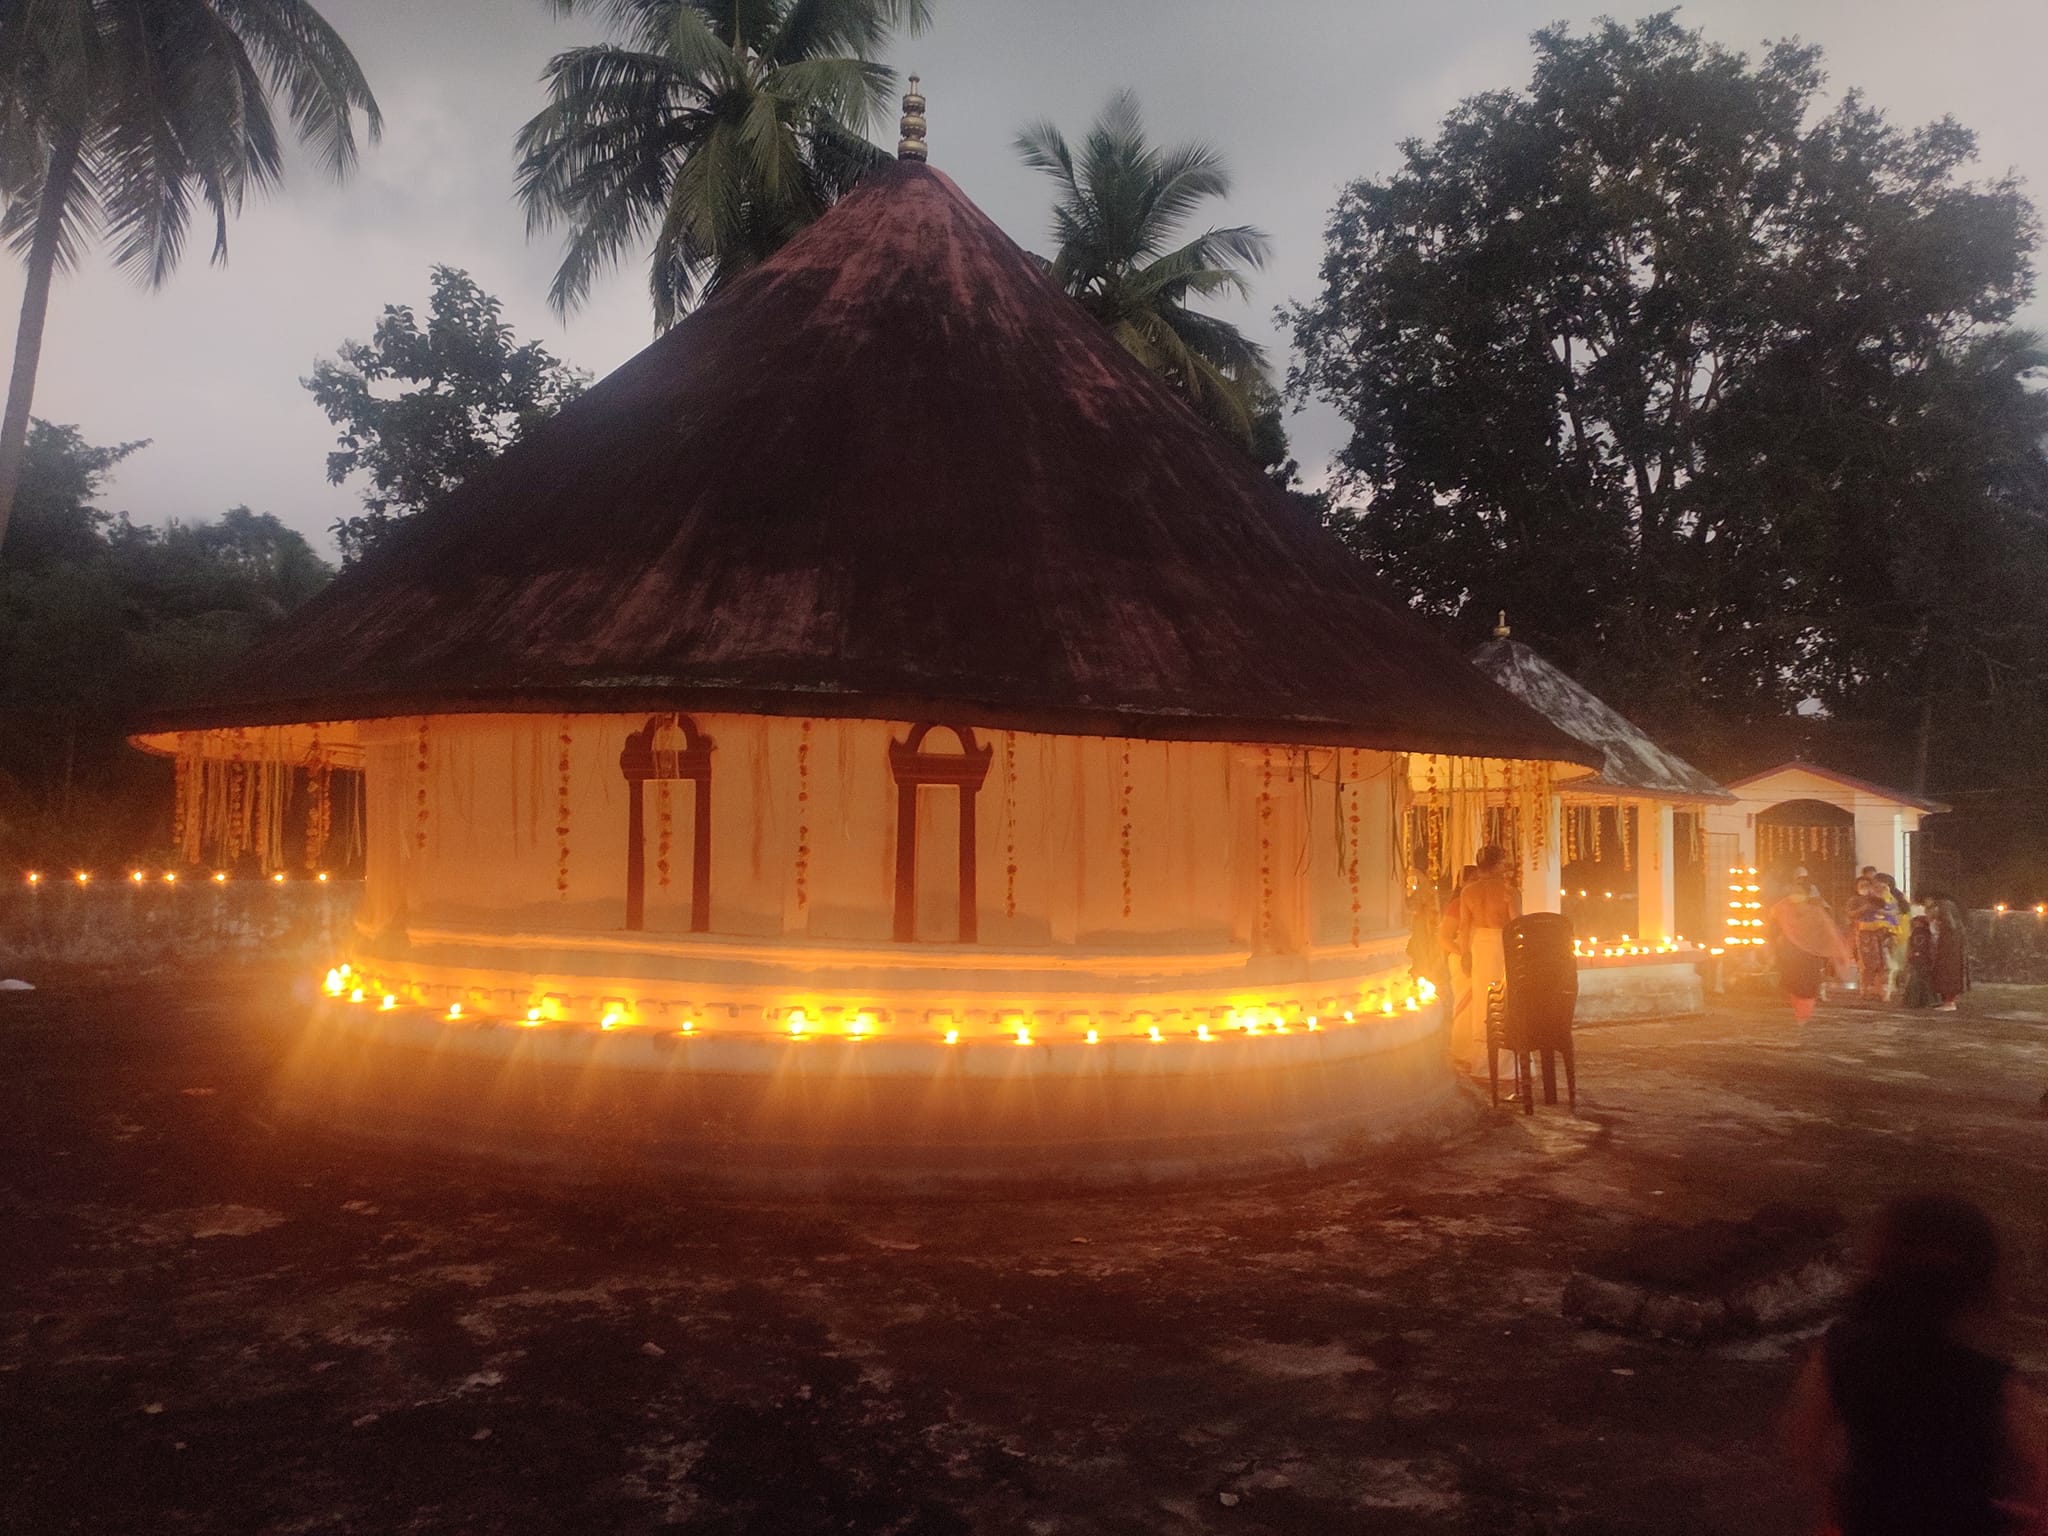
[210, 1322]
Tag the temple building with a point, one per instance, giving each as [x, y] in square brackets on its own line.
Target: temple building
[879, 730]
[1628, 857]
[1831, 824]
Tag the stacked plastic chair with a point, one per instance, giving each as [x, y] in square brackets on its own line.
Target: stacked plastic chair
[1532, 1014]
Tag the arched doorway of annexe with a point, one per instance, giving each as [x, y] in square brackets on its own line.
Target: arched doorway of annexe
[1815, 836]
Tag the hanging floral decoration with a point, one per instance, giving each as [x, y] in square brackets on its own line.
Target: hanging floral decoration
[1123, 811]
[1804, 843]
[1009, 823]
[664, 831]
[319, 802]
[233, 797]
[236, 833]
[1265, 926]
[1351, 853]
[184, 824]
[803, 816]
[563, 743]
[1433, 829]
[419, 831]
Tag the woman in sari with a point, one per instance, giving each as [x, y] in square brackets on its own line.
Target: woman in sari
[1951, 950]
[1901, 935]
[1809, 948]
[1872, 921]
[1919, 983]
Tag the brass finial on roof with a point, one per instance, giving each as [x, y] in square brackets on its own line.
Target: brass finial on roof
[911, 145]
[1500, 630]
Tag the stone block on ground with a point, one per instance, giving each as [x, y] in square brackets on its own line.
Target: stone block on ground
[1784, 1267]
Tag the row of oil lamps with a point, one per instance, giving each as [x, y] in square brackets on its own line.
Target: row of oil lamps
[1592, 949]
[169, 877]
[344, 983]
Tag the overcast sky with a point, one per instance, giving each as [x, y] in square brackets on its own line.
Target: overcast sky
[1300, 95]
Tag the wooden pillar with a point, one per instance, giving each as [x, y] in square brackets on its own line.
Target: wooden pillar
[700, 857]
[636, 855]
[906, 861]
[970, 925]
[1543, 868]
[963, 770]
[1656, 885]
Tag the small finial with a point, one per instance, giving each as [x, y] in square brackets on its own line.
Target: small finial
[911, 145]
[1500, 630]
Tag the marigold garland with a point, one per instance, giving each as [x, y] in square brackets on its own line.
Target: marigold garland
[564, 741]
[664, 822]
[419, 834]
[1351, 858]
[803, 815]
[1433, 827]
[1010, 823]
[238, 802]
[1265, 931]
[181, 802]
[319, 802]
[1123, 811]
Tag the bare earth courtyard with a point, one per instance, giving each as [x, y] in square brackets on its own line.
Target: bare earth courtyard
[213, 1322]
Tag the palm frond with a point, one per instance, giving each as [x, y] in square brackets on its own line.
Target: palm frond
[305, 59]
[841, 158]
[79, 215]
[613, 115]
[1042, 147]
[720, 127]
[847, 28]
[1119, 204]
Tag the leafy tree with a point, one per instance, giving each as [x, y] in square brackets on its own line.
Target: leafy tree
[100, 619]
[1707, 386]
[476, 389]
[1121, 204]
[56, 511]
[718, 129]
[116, 117]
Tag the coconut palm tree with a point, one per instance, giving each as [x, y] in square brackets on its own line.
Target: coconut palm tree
[117, 118]
[1122, 201]
[717, 127]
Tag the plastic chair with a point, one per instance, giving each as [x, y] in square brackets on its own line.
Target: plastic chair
[1533, 1013]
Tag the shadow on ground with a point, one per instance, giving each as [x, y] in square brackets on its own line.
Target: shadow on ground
[213, 1323]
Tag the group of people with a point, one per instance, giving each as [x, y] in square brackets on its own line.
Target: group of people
[1914, 954]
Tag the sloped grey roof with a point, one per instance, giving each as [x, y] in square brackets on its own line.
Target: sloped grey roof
[1632, 763]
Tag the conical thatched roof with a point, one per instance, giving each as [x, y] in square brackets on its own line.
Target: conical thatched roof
[1631, 763]
[891, 473]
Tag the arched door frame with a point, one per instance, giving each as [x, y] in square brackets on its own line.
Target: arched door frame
[913, 768]
[640, 762]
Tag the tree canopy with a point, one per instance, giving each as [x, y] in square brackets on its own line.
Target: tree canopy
[719, 130]
[1704, 380]
[422, 407]
[122, 120]
[1119, 250]
[101, 619]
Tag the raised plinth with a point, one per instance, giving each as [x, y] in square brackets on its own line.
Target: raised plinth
[843, 1112]
[1649, 986]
